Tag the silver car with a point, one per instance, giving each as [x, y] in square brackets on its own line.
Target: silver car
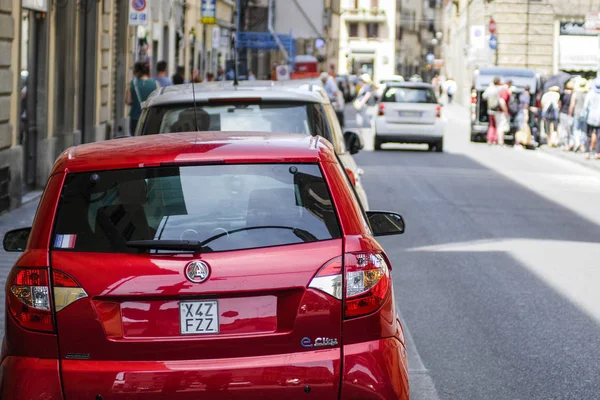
[409, 113]
[264, 106]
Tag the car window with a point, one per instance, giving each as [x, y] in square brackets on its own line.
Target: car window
[281, 203]
[263, 117]
[409, 95]
[337, 136]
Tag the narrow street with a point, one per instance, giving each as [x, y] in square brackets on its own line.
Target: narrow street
[496, 278]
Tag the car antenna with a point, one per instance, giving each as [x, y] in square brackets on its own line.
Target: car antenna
[194, 100]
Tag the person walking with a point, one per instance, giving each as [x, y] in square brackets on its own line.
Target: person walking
[503, 115]
[565, 120]
[492, 96]
[251, 76]
[364, 98]
[523, 135]
[161, 74]
[592, 112]
[550, 108]
[138, 91]
[576, 110]
[450, 89]
[210, 77]
[334, 94]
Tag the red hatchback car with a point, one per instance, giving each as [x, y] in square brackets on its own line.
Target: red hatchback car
[196, 265]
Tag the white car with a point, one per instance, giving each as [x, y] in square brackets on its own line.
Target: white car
[409, 113]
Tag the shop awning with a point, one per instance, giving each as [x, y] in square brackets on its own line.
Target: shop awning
[578, 53]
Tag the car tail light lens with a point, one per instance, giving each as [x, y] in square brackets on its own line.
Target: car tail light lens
[367, 282]
[351, 176]
[473, 97]
[29, 298]
[438, 111]
[66, 290]
[381, 109]
[329, 278]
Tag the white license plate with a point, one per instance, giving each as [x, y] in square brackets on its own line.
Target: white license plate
[412, 114]
[199, 317]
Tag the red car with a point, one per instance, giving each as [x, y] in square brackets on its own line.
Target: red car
[195, 265]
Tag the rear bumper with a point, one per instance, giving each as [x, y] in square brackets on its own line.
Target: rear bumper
[409, 133]
[30, 378]
[372, 370]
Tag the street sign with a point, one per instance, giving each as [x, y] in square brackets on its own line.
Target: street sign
[216, 37]
[283, 72]
[492, 26]
[477, 37]
[493, 42]
[138, 13]
[208, 8]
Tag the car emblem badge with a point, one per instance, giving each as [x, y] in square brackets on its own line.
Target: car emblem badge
[197, 271]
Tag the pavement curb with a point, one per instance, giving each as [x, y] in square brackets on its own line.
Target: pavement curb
[577, 158]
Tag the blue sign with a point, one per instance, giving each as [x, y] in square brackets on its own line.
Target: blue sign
[493, 42]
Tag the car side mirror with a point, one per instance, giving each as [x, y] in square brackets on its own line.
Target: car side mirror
[16, 240]
[384, 223]
[354, 142]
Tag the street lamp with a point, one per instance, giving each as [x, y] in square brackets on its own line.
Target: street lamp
[434, 41]
[439, 35]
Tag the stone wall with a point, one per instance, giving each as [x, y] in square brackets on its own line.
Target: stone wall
[10, 153]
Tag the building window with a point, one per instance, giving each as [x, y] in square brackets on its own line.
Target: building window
[353, 29]
[373, 30]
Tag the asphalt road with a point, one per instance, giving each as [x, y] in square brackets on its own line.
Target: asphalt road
[497, 276]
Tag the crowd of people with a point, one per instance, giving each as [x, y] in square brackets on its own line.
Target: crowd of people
[569, 118]
[572, 118]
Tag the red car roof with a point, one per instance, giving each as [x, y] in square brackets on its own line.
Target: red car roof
[194, 147]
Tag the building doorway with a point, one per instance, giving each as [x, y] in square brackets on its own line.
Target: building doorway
[33, 105]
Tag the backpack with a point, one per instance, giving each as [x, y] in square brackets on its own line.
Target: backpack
[513, 105]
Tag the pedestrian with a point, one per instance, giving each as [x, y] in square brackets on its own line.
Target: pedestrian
[220, 75]
[210, 77]
[492, 96]
[565, 121]
[592, 112]
[196, 78]
[550, 109]
[503, 115]
[364, 98]
[334, 94]
[450, 89]
[576, 110]
[138, 91]
[523, 135]
[178, 78]
[251, 76]
[161, 74]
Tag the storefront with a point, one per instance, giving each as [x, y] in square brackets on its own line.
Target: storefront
[578, 51]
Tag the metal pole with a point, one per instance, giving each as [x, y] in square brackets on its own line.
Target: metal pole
[235, 41]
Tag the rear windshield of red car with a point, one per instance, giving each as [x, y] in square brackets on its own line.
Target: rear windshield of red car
[227, 207]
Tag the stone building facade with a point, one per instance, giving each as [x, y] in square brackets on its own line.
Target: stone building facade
[544, 35]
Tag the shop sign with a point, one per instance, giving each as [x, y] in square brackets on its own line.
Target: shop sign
[35, 5]
[208, 8]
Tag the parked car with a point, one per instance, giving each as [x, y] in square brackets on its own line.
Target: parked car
[520, 77]
[295, 106]
[202, 265]
[410, 113]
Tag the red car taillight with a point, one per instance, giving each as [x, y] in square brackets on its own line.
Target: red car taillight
[381, 110]
[438, 111]
[367, 282]
[29, 298]
[473, 97]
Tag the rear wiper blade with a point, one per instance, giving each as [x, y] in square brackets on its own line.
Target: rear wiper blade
[172, 245]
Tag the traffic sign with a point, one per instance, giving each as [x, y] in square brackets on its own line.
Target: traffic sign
[138, 14]
[493, 42]
[492, 26]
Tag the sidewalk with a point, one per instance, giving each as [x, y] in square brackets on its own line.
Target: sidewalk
[20, 218]
[578, 158]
